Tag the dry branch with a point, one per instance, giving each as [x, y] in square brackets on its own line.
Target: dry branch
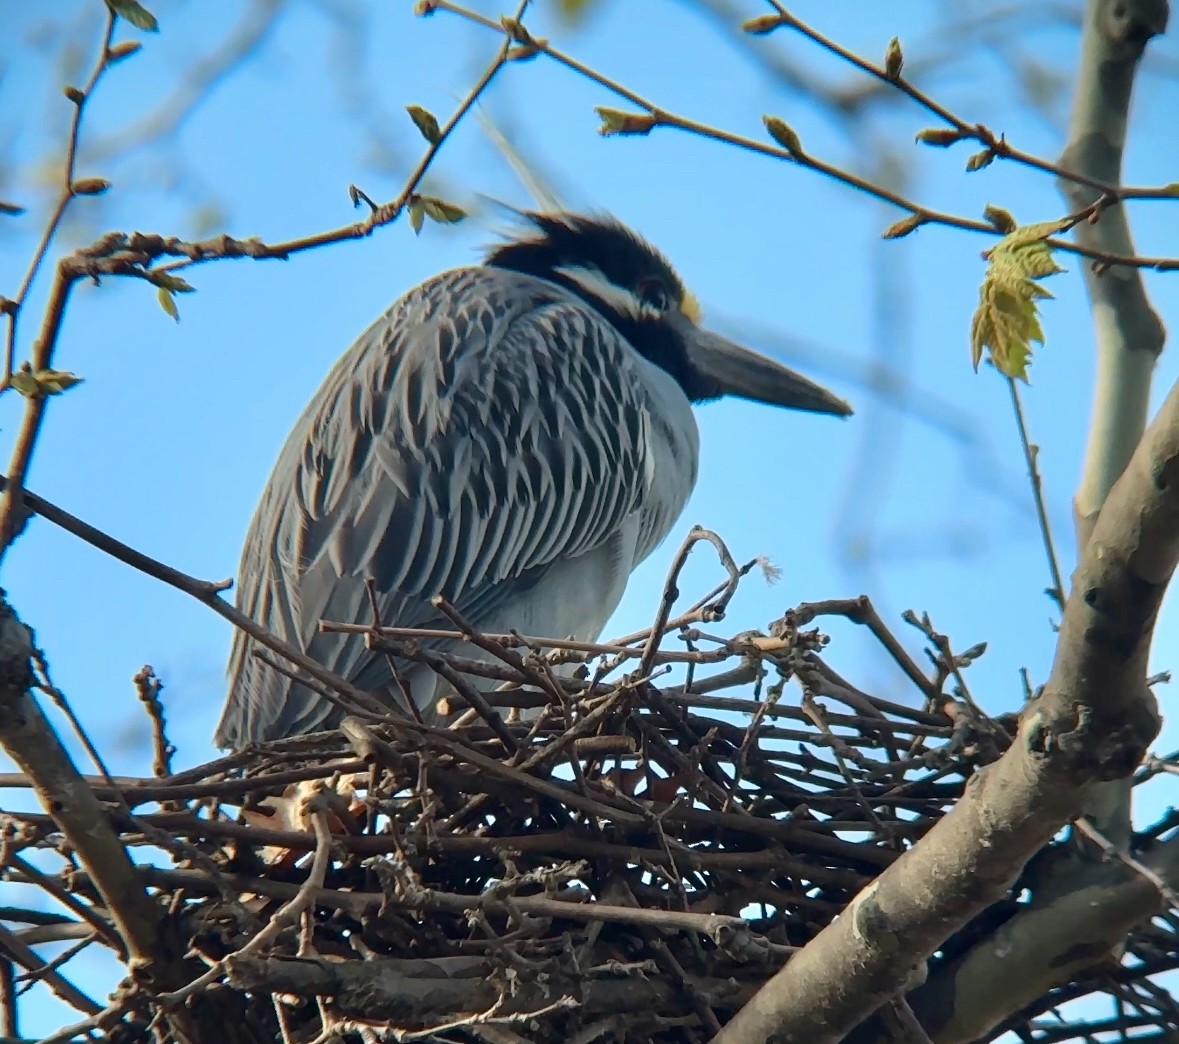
[1091, 724]
[408, 992]
[469, 880]
[624, 887]
[1129, 334]
[33, 744]
[632, 859]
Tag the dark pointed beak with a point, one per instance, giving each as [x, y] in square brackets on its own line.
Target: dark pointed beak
[735, 370]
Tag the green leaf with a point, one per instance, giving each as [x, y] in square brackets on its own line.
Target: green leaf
[894, 60]
[1007, 321]
[426, 123]
[1003, 220]
[615, 121]
[417, 215]
[11, 209]
[54, 382]
[167, 281]
[980, 160]
[168, 302]
[1036, 261]
[1027, 235]
[783, 134]
[1024, 254]
[35, 383]
[942, 137]
[135, 13]
[25, 383]
[441, 211]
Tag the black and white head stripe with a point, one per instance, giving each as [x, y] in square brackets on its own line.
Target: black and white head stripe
[599, 258]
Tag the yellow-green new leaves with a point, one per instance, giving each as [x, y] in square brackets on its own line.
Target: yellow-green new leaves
[426, 122]
[1007, 321]
[979, 160]
[34, 383]
[135, 13]
[783, 134]
[169, 286]
[1003, 220]
[615, 121]
[422, 207]
[167, 301]
[894, 60]
[941, 137]
[944, 137]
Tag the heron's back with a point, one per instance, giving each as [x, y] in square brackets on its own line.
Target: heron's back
[491, 438]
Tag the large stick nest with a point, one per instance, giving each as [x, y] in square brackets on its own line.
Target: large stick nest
[590, 858]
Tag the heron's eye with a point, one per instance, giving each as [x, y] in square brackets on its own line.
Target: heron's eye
[654, 294]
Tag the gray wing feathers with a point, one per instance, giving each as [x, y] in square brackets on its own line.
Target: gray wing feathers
[486, 426]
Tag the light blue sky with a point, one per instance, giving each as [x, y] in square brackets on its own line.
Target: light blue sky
[168, 443]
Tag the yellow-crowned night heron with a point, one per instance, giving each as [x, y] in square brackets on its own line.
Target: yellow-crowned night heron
[515, 436]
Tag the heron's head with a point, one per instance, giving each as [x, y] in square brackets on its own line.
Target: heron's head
[633, 286]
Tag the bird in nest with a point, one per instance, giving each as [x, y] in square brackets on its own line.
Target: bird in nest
[515, 436]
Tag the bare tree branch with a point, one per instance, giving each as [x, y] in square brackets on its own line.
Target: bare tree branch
[1091, 724]
[1129, 334]
[412, 992]
[1051, 942]
[628, 886]
[30, 741]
